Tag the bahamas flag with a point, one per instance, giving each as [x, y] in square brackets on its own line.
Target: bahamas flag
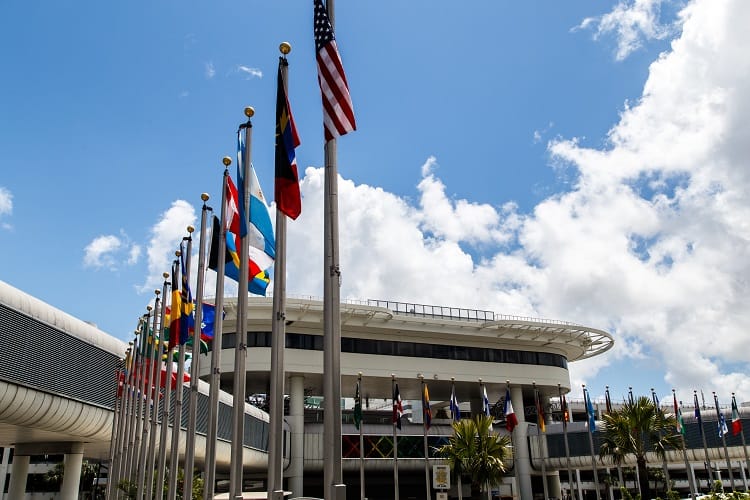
[258, 278]
[286, 190]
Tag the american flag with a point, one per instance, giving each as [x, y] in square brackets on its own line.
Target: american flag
[338, 113]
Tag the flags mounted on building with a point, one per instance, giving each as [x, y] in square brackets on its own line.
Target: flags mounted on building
[398, 408]
[510, 416]
[455, 410]
[426, 410]
[540, 413]
[258, 279]
[286, 189]
[338, 112]
[357, 408]
[722, 424]
[590, 411]
[698, 412]
[485, 401]
[736, 422]
[175, 309]
[678, 416]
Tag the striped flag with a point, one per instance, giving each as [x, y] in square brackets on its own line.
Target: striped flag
[398, 409]
[338, 113]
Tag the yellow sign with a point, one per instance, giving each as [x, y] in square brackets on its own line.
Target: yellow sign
[441, 477]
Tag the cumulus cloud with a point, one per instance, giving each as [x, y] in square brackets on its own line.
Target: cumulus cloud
[632, 23]
[650, 243]
[166, 234]
[210, 70]
[109, 251]
[250, 72]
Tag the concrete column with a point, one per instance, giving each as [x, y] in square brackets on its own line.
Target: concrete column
[4, 469]
[296, 420]
[553, 484]
[18, 475]
[73, 462]
[578, 484]
[521, 447]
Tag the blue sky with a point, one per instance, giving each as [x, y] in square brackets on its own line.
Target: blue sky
[582, 161]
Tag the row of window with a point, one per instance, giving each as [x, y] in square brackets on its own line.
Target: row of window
[410, 349]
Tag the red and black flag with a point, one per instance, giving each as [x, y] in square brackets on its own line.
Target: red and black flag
[286, 191]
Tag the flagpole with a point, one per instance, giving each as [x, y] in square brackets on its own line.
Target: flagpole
[240, 353]
[395, 438]
[174, 464]
[216, 347]
[426, 451]
[137, 423]
[655, 400]
[742, 435]
[148, 400]
[707, 463]
[194, 364]
[116, 419]
[540, 419]
[688, 469]
[455, 417]
[722, 432]
[563, 406]
[362, 443]
[127, 444]
[589, 411]
[163, 441]
[116, 454]
[278, 331]
[156, 392]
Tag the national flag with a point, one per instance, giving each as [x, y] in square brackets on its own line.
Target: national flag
[286, 189]
[722, 423]
[590, 411]
[175, 308]
[607, 401]
[736, 422]
[698, 413]
[186, 301]
[241, 205]
[540, 414]
[338, 113]
[203, 348]
[455, 410]
[398, 409]
[258, 279]
[510, 417]
[232, 220]
[208, 318]
[357, 408]
[485, 401]
[565, 412]
[426, 410]
[678, 416]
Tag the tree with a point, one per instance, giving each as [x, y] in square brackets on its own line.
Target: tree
[475, 450]
[635, 429]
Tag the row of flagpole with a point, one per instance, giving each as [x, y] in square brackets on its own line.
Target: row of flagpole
[133, 410]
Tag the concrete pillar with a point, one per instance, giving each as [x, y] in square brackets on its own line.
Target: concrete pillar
[18, 475]
[578, 484]
[73, 462]
[4, 469]
[553, 484]
[521, 452]
[296, 420]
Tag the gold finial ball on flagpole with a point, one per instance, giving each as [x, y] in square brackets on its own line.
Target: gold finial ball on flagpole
[285, 48]
[165, 275]
[190, 229]
[148, 308]
[204, 196]
[157, 292]
[177, 253]
[226, 161]
[249, 111]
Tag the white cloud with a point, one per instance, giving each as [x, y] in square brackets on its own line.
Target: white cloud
[210, 71]
[632, 22]
[166, 235]
[250, 72]
[6, 206]
[108, 251]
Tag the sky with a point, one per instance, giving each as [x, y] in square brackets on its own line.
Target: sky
[583, 161]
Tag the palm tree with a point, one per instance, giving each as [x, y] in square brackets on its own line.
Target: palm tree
[635, 429]
[475, 450]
